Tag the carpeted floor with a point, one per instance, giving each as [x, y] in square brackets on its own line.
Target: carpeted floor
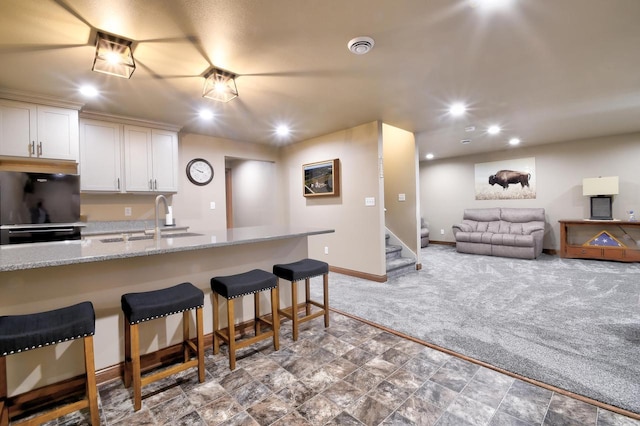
[574, 324]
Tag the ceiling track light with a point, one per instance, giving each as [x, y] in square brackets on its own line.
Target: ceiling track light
[113, 56]
[220, 85]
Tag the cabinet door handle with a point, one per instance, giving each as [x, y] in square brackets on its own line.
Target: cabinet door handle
[118, 184]
[151, 184]
[32, 148]
[155, 184]
[39, 149]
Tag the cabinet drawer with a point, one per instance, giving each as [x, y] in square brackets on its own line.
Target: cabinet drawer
[589, 252]
[613, 253]
[632, 255]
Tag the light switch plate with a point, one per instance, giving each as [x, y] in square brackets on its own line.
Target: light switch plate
[402, 197]
[212, 205]
[370, 201]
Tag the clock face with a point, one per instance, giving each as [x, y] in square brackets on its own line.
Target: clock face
[199, 171]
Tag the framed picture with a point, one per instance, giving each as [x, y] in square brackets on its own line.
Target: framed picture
[506, 180]
[321, 179]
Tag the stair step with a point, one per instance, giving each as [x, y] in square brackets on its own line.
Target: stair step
[393, 252]
[400, 266]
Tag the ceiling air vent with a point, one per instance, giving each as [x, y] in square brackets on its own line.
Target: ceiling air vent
[360, 45]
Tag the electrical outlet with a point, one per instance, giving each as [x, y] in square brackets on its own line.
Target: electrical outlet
[127, 211]
[326, 250]
[442, 232]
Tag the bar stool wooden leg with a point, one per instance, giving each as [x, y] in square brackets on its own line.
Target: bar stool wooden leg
[232, 334]
[185, 336]
[216, 324]
[4, 409]
[325, 284]
[135, 361]
[256, 309]
[275, 322]
[294, 309]
[92, 390]
[200, 333]
[127, 354]
[307, 296]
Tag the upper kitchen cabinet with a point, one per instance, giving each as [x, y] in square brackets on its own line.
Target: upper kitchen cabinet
[38, 131]
[100, 156]
[151, 159]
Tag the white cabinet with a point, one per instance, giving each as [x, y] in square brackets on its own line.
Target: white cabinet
[38, 131]
[151, 160]
[100, 156]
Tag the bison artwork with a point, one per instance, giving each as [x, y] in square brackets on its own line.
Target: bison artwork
[506, 177]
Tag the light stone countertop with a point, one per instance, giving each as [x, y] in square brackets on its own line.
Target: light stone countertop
[39, 255]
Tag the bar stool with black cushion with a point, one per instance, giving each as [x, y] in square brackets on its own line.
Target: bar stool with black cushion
[232, 287]
[150, 305]
[304, 269]
[20, 333]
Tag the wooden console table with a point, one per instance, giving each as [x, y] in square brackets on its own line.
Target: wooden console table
[617, 229]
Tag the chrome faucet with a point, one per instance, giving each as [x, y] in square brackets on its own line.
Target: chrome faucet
[166, 207]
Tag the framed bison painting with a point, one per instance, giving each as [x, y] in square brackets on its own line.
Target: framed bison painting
[506, 180]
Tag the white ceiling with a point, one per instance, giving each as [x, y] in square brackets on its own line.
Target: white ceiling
[545, 70]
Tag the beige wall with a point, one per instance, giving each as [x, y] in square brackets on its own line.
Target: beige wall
[253, 186]
[358, 243]
[400, 177]
[447, 186]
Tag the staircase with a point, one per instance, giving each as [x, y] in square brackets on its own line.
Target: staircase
[396, 264]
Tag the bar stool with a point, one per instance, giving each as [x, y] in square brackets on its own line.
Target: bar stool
[232, 287]
[304, 270]
[20, 333]
[150, 305]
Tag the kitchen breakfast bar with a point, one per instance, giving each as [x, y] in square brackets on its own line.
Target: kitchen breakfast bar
[37, 277]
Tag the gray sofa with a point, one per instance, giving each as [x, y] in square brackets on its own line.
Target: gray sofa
[424, 233]
[507, 232]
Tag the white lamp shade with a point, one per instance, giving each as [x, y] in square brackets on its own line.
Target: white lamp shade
[600, 186]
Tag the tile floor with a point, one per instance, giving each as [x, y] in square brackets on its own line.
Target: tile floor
[348, 374]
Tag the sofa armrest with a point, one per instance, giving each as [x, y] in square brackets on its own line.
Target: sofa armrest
[461, 227]
[531, 227]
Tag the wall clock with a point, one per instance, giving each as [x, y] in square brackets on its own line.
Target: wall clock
[199, 171]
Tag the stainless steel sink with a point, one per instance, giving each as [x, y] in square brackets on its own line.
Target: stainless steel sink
[149, 237]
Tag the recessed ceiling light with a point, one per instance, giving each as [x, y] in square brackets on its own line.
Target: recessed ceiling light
[494, 129]
[429, 156]
[514, 141]
[283, 130]
[206, 114]
[457, 109]
[89, 91]
[491, 4]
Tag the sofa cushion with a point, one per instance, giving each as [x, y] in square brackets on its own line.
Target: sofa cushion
[475, 237]
[512, 240]
[482, 215]
[522, 215]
